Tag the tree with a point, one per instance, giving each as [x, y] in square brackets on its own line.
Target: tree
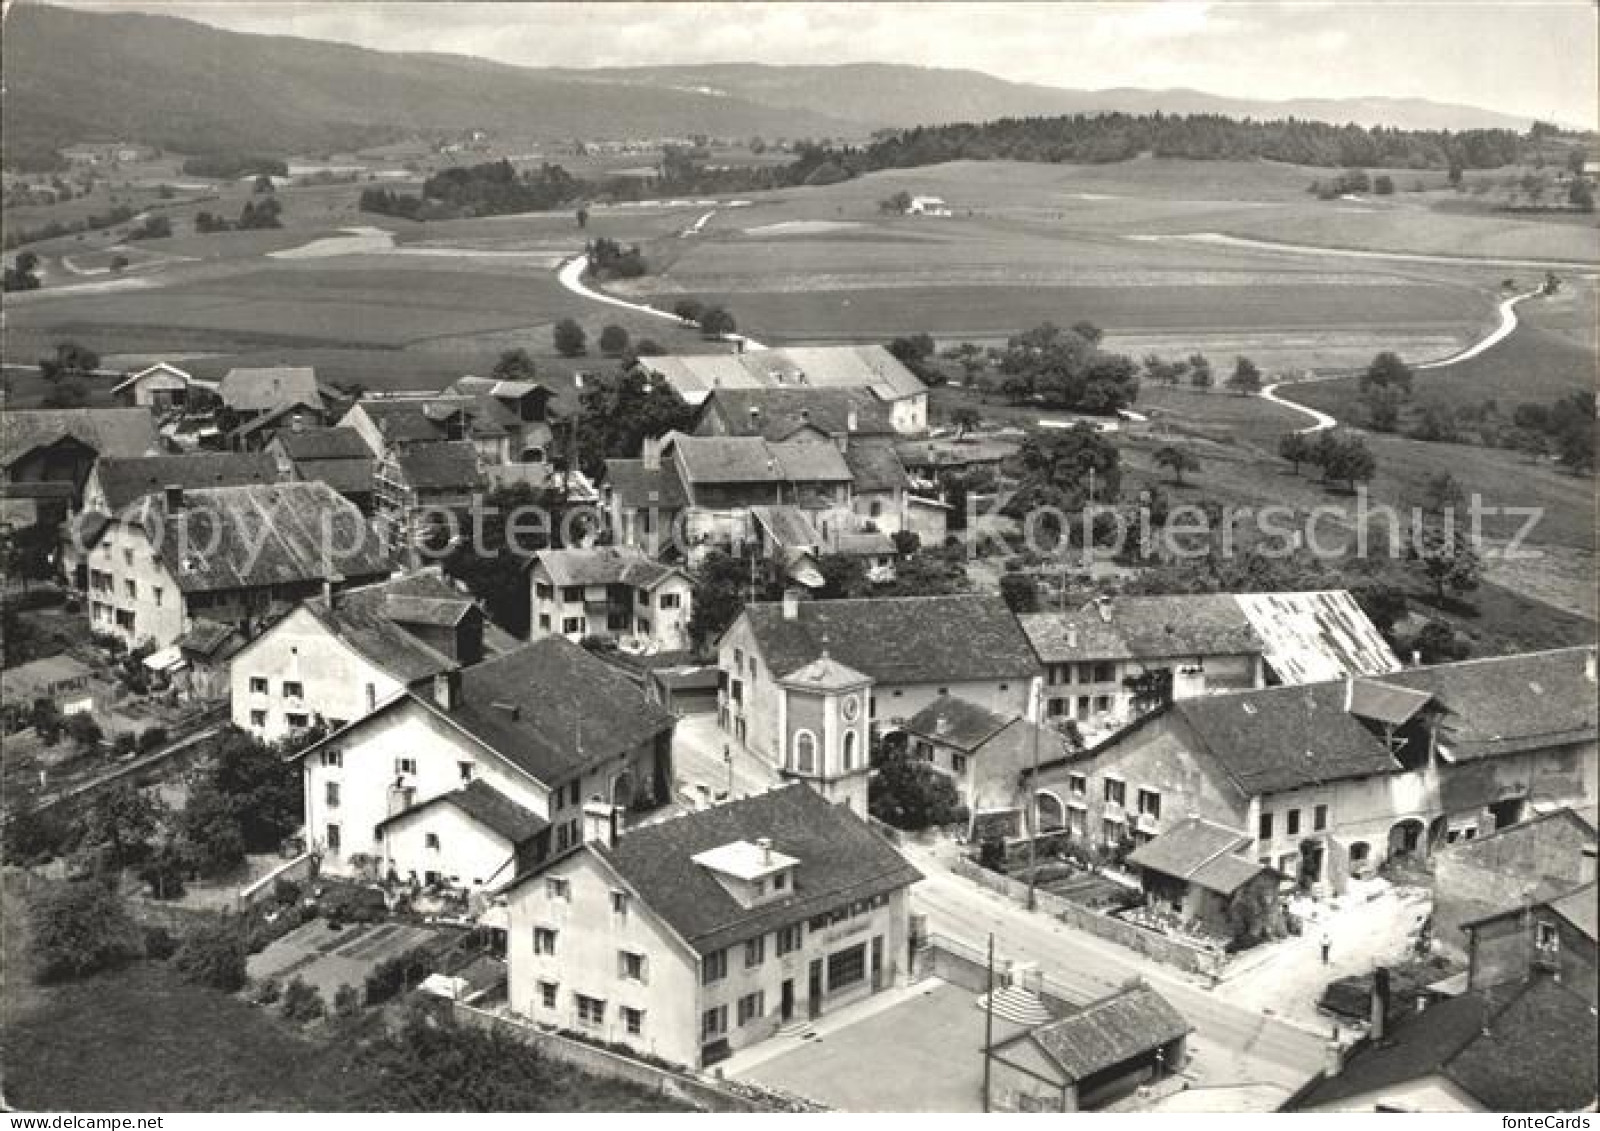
[1446, 558]
[965, 418]
[1064, 460]
[620, 411]
[1020, 592]
[213, 955]
[1387, 370]
[1581, 195]
[689, 310]
[1253, 913]
[910, 794]
[23, 274]
[1383, 403]
[1200, 371]
[1246, 377]
[302, 1001]
[1345, 458]
[514, 365]
[1443, 494]
[1383, 184]
[263, 184]
[124, 818]
[1438, 643]
[1177, 460]
[71, 361]
[498, 575]
[77, 929]
[913, 350]
[648, 347]
[842, 576]
[613, 340]
[1295, 447]
[570, 340]
[716, 322]
[722, 585]
[897, 204]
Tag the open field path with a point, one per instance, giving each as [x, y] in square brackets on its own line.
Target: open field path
[570, 276]
[1224, 240]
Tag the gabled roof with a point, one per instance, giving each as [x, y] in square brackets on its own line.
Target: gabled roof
[1143, 628]
[207, 638]
[875, 466]
[444, 466]
[1201, 852]
[750, 459]
[1574, 904]
[898, 639]
[258, 535]
[487, 806]
[158, 367]
[695, 376]
[957, 722]
[1385, 703]
[493, 387]
[789, 527]
[604, 565]
[108, 431]
[777, 414]
[323, 444]
[1315, 636]
[824, 673]
[1512, 1048]
[1281, 738]
[841, 860]
[371, 619]
[124, 481]
[1105, 1033]
[637, 485]
[263, 390]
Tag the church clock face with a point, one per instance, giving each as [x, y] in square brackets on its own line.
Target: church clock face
[850, 707]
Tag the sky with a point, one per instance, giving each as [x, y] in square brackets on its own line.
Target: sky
[1529, 57]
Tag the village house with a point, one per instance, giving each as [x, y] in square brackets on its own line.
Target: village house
[1115, 657]
[46, 455]
[330, 661]
[1331, 779]
[534, 734]
[695, 377]
[1197, 872]
[611, 592]
[704, 934]
[789, 413]
[886, 660]
[1542, 856]
[164, 388]
[256, 403]
[1528, 935]
[335, 456]
[983, 752]
[507, 422]
[418, 488]
[116, 483]
[232, 555]
[1092, 1056]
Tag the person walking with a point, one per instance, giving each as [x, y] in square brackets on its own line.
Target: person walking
[1327, 947]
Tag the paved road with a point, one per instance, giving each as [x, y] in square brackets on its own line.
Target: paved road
[1230, 1045]
[570, 276]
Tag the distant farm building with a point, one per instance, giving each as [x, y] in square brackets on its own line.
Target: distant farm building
[927, 206]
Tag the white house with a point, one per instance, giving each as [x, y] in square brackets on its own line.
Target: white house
[706, 933]
[613, 592]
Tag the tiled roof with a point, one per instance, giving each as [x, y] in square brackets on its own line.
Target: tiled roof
[1579, 908]
[789, 527]
[1317, 635]
[206, 637]
[488, 807]
[1503, 704]
[1528, 1060]
[841, 860]
[899, 639]
[825, 673]
[1105, 1033]
[265, 534]
[445, 466]
[346, 476]
[109, 431]
[777, 414]
[639, 486]
[554, 709]
[1143, 628]
[400, 420]
[695, 376]
[957, 722]
[603, 565]
[124, 481]
[324, 443]
[750, 459]
[1284, 738]
[1385, 703]
[261, 390]
[1200, 852]
[875, 466]
[364, 618]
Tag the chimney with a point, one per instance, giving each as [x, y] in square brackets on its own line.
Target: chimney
[805, 414]
[512, 711]
[600, 822]
[738, 344]
[1416, 658]
[1332, 1060]
[1072, 636]
[447, 689]
[297, 423]
[650, 455]
[174, 498]
[941, 725]
[791, 604]
[1378, 1022]
[1349, 692]
[852, 421]
[1422, 1001]
[1589, 665]
[330, 586]
[400, 798]
[755, 418]
[764, 843]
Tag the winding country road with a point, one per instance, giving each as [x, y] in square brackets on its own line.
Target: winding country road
[1321, 421]
[571, 274]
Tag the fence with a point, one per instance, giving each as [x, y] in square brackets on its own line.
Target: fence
[961, 964]
[696, 1091]
[1152, 944]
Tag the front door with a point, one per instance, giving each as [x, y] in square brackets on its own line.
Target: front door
[814, 990]
[786, 1007]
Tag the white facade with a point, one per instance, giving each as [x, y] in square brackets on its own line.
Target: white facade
[658, 615]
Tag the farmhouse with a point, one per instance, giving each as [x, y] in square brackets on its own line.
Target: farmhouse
[251, 393]
[983, 752]
[534, 733]
[789, 413]
[232, 555]
[332, 660]
[164, 388]
[506, 427]
[46, 454]
[1332, 778]
[1197, 870]
[927, 206]
[335, 456]
[613, 593]
[116, 483]
[416, 487]
[644, 501]
[704, 934]
[871, 368]
[887, 659]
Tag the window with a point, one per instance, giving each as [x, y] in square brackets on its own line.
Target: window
[1265, 832]
[1293, 822]
[780, 881]
[790, 938]
[847, 967]
[405, 766]
[430, 841]
[1104, 673]
[751, 1007]
[544, 940]
[545, 592]
[671, 600]
[713, 967]
[293, 689]
[630, 966]
[619, 903]
[572, 592]
[544, 622]
[157, 591]
[258, 685]
[556, 887]
[571, 624]
[1150, 803]
[738, 659]
[332, 838]
[1116, 791]
[714, 1023]
[641, 626]
[1078, 785]
[1102, 704]
[958, 763]
[131, 587]
[632, 1020]
[127, 557]
[1319, 818]
[297, 720]
[805, 752]
[755, 952]
[850, 750]
[547, 994]
[258, 719]
[1546, 937]
[1111, 832]
[331, 794]
[465, 769]
[333, 759]
[591, 1011]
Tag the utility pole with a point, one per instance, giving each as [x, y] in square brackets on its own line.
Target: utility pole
[1033, 796]
[988, 1023]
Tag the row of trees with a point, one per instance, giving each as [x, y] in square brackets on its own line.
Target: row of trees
[714, 321]
[1342, 457]
[255, 215]
[494, 188]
